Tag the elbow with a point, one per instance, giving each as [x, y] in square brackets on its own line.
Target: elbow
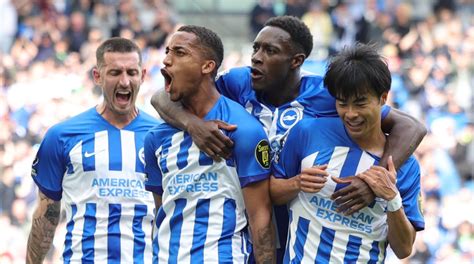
[404, 252]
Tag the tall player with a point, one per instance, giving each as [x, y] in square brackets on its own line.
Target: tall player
[359, 79]
[279, 94]
[93, 163]
[202, 203]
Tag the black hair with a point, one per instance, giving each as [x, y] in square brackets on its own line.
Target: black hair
[116, 44]
[211, 43]
[298, 31]
[357, 70]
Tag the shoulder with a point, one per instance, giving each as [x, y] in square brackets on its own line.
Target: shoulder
[410, 169]
[236, 73]
[318, 124]
[82, 122]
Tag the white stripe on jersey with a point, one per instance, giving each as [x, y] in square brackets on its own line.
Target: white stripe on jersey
[129, 153]
[101, 149]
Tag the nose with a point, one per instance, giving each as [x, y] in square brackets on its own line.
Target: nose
[351, 112]
[167, 60]
[257, 57]
[124, 79]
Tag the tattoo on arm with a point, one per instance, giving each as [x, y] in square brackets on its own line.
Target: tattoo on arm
[264, 245]
[45, 220]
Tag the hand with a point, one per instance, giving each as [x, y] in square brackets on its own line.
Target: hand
[354, 197]
[209, 138]
[312, 180]
[381, 181]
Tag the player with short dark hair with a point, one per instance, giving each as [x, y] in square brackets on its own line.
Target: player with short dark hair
[341, 147]
[202, 204]
[93, 163]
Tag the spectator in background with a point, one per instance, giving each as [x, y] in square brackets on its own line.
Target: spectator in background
[260, 13]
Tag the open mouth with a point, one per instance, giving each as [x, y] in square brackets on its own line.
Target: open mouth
[256, 73]
[123, 96]
[168, 79]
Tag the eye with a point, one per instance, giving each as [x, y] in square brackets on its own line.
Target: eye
[255, 48]
[271, 51]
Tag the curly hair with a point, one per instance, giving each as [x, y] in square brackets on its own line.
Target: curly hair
[211, 43]
[298, 31]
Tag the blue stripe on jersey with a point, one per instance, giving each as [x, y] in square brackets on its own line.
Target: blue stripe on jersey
[204, 160]
[323, 158]
[300, 239]
[325, 245]
[138, 234]
[164, 153]
[228, 227]
[374, 253]
[115, 150]
[88, 233]
[176, 222]
[113, 233]
[246, 247]
[184, 152]
[350, 165]
[286, 258]
[200, 230]
[160, 216]
[67, 254]
[88, 158]
[352, 249]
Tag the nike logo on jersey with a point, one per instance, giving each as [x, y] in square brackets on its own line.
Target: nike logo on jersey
[90, 154]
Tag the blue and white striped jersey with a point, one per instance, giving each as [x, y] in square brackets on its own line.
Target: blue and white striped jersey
[98, 173]
[319, 234]
[313, 101]
[202, 217]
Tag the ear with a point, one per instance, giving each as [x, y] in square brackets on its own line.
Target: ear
[208, 66]
[297, 60]
[143, 75]
[96, 75]
[383, 98]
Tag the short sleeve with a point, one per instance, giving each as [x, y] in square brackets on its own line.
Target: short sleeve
[251, 152]
[287, 163]
[385, 111]
[409, 186]
[234, 84]
[49, 166]
[153, 173]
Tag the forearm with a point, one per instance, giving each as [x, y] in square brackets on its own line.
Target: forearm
[404, 137]
[263, 236]
[172, 112]
[44, 223]
[401, 234]
[283, 190]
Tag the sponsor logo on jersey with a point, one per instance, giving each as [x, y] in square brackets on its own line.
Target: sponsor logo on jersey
[262, 154]
[290, 117]
[141, 155]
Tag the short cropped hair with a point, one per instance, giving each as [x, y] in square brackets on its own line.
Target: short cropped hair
[212, 46]
[298, 31]
[116, 44]
[357, 70]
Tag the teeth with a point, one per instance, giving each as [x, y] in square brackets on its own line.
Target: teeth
[123, 92]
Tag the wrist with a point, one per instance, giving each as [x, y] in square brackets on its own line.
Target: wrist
[395, 204]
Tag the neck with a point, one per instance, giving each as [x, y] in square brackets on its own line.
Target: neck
[201, 102]
[117, 120]
[285, 93]
[372, 142]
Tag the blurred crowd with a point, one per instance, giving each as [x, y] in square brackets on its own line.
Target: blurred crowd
[47, 51]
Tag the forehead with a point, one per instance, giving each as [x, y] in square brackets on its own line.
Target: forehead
[273, 35]
[121, 59]
[183, 39]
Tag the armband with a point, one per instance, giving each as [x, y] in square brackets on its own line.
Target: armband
[395, 204]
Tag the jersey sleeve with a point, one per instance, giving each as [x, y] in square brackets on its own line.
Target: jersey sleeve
[287, 163]
[251, 152]
[49, 166]
[409, 187]
[234, 83]
[385, 111]
[154, 176]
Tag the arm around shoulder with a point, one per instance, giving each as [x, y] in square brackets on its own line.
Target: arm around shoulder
[405, 134]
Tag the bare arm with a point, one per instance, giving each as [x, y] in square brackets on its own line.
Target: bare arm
[259, 210]
[205, 134]
[405, 134]
[401, 233]
[44, 223]
[310, 180]
[158, 201]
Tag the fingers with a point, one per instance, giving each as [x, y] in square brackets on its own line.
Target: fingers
[353, 209]
[312, 183]
[223, 125]
[342, 180]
